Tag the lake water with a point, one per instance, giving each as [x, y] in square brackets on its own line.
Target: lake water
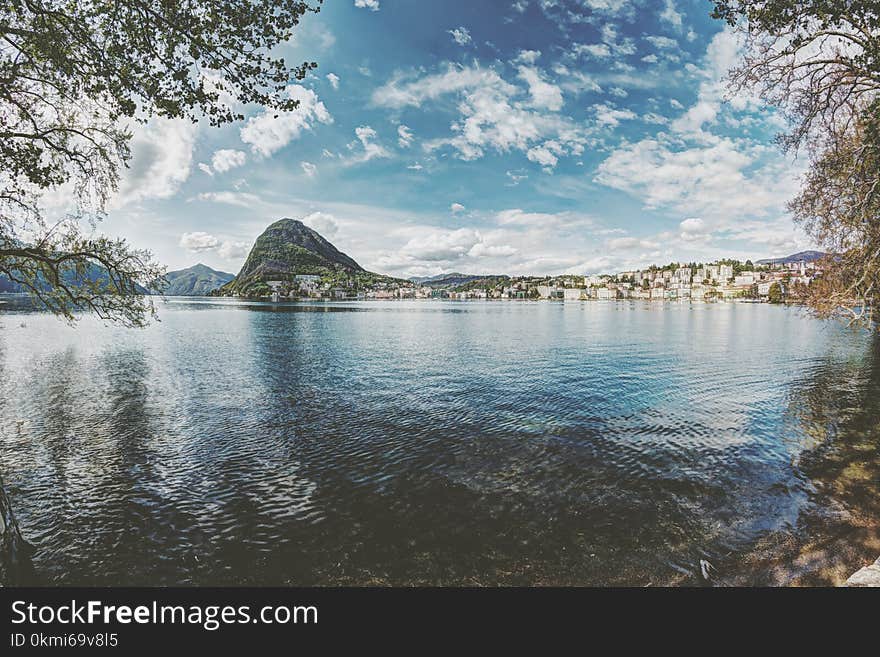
[464, 443]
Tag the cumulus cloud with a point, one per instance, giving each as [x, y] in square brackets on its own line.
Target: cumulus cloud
[322, 222]
[494, 114]
[694, 168]
[455, 208]
[372, 5]
[546, 154]
[693, 230]
[267, 133]
[544, 95]
[161, 161]
[233, 250]
[461, 35]
[716, 179]
[333, 79]
[199, 242]
[309, 169]
[225, 159]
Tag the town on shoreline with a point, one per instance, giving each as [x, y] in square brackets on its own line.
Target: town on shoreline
[774, 281]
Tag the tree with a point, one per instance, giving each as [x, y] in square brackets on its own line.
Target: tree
[72, 74]
[819, 62]
[775, 293]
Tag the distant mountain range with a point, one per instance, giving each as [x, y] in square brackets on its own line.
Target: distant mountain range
[289, 248]
[803, 256]
[93, 274]
[198, 280]
[451, 280]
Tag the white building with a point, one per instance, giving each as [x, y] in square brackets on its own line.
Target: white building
[574, 293]
[548, 291]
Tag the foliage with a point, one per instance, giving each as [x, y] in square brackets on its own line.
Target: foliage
[775, 293]
[819, 62]
[72, 72]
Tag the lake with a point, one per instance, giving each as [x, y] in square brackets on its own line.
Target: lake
[431, 442]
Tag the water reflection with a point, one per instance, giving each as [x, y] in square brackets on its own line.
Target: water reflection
[836, 406]
[442, 443]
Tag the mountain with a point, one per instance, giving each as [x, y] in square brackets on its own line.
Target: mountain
[197, 280]
[803, 256]
[289, 248]
[452, 280]
[93, 274]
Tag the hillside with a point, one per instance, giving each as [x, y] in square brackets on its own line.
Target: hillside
[453, 280]
[289, 248]
[803, 256]
[93, 274]
[197, 280]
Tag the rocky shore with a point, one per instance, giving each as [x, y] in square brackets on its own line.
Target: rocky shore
[867, 576]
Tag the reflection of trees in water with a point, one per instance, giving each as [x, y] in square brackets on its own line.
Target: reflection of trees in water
[837, 412]
[842, 404]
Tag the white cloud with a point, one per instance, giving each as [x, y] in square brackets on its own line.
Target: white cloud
[455, 208]
[461, 36]
[662, 42]
[266, 133]
[544, 95]
[233, 250]
[527, 56]
[333, 79]
[205, 168]
[442, 246]
[481, 249]
[717, 180]
[694, 230]
[596, 50]
[322, 222]
[493, 112]
[198, 242]
[239, 199]
[372, 5]
[371, 148]
[225, 159]
[670, 14]
[609, 116]
[309, 169]
[546, 154]
[161, 161]
[404, 136]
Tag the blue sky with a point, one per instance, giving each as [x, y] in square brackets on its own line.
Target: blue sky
[517, 136]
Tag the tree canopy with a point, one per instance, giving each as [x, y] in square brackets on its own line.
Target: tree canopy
[73, 75]
[819, 62]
